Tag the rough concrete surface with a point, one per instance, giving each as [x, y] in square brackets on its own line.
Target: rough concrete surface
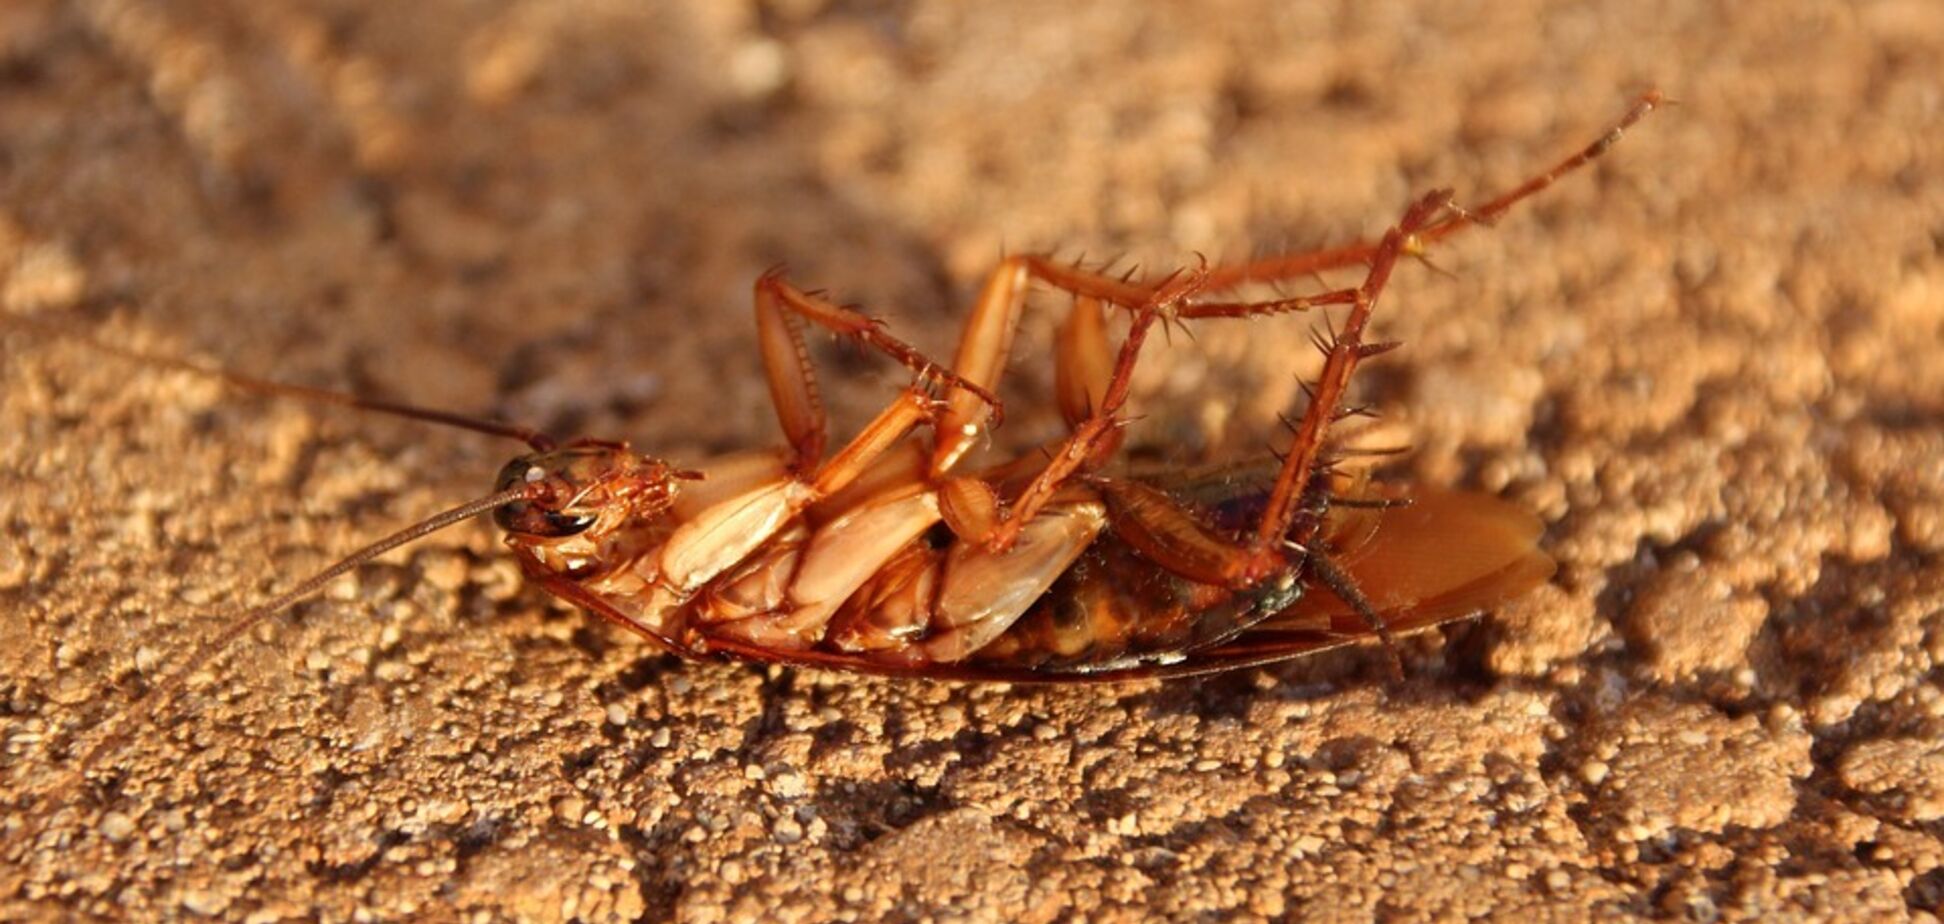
[1712, 364]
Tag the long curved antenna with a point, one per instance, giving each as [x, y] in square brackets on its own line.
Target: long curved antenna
[529, 435]
[171, 683]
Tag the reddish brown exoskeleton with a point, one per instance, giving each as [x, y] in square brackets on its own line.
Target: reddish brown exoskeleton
[889, 556]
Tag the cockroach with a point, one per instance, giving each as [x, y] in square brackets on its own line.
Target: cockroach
[889, 557]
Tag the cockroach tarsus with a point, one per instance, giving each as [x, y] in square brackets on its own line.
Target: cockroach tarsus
[889, 556]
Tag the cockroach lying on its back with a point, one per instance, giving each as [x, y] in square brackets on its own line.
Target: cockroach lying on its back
[888, 556]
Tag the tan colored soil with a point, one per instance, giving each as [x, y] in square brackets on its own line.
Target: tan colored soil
[1713, 364]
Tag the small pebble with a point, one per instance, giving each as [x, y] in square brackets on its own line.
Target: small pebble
[788, 784]
[203, 904]
[45, 276]
[116, 826]
[445, 570]
[758, 68]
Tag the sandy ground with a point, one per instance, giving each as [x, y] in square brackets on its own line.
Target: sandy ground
[1712, 364]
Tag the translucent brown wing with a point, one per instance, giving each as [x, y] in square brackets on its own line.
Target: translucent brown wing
[1449, 554]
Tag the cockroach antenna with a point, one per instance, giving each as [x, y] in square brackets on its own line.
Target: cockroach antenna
[540, 442]
[171, 683]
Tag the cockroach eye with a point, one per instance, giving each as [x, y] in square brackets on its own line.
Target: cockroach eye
[534, 518]
[528, 519]
[567, 524]
[518, 472]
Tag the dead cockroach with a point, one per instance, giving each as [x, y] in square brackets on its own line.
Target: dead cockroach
[886, 557]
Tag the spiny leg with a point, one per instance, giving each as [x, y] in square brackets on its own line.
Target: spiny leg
[986, 342]
[1101, 425]
[990, 329]
[1171, 536]
[1093, 390]
[988, 335]
[1307, 263]
[1083, 368]
[779, 306]
[1345, 587]
[1092, 405]
[1430, 218]
[1177, 538]
[792, 380]
[1345, 351]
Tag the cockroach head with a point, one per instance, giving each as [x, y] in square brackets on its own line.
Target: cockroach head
[574, 488]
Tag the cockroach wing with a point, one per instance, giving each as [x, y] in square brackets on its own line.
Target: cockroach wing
[1448, 554]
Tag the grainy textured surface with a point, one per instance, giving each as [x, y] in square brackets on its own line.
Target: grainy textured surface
[1712, 364]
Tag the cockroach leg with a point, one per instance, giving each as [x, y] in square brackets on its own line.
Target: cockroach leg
[1166, 533]
[1205, 310]
[1489, 211]
[1346, 350]
[1092, 407]
[792, 379]
[1082, 448]
[983, 348]
[1302, 264]
[1430, 219]
[911, 408]
[1083, 362]
[986, 342]
[1345, 587]
[775, 293]
[569, 590]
